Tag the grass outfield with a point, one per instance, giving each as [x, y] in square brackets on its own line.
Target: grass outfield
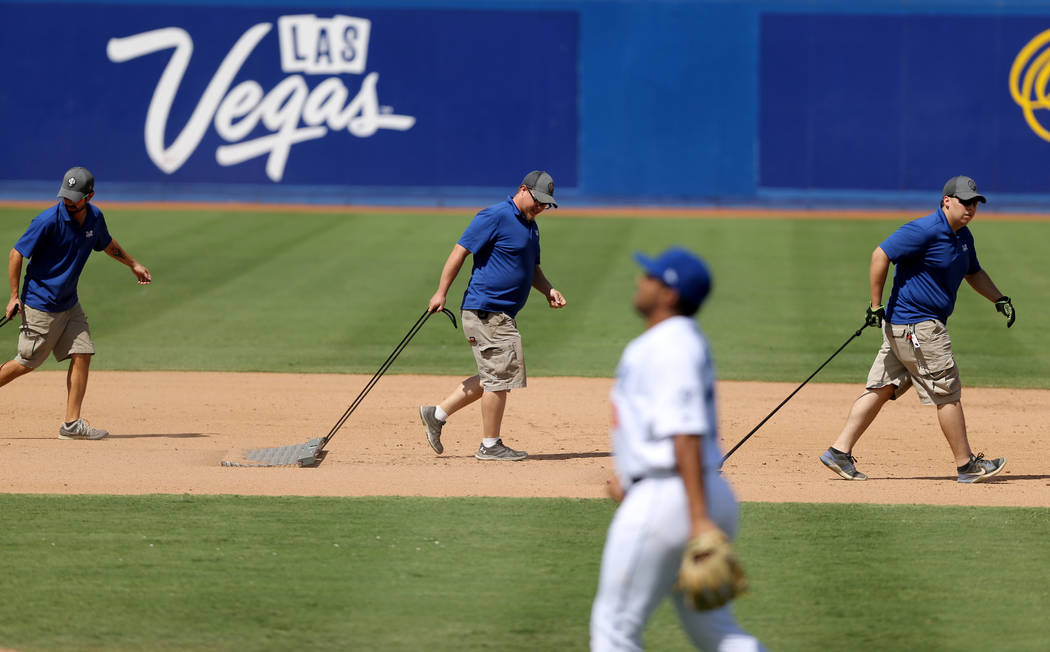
[240, 573]
[335, 292]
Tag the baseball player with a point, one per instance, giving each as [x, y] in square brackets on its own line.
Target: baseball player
[666, 456]
[505, 242]
[57, 244]
[932, 255]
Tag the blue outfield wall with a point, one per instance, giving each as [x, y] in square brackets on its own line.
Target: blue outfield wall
[442, 102]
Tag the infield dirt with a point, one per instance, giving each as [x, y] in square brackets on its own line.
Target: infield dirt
[171, 431]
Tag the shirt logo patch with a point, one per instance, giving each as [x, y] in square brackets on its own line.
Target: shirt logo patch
[91, 234]
[473, 341]
[966, 247]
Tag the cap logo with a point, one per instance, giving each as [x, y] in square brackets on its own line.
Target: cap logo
[71, 181]
[972, 184]
[550, 188]
[670, 277]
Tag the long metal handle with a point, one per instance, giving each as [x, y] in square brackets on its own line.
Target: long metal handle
[770, 415]
[386, 365]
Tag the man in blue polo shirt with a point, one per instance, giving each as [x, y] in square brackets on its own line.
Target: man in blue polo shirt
[505, 243]
[57, 244]
[932, 255]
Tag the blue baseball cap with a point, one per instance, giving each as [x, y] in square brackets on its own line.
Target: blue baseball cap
[681, 270]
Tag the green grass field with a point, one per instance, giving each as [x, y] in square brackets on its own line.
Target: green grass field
[238, 291]
[317, 292]
[238, 573]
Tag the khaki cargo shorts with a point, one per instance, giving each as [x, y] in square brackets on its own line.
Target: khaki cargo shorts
[919, 354]
[63, 333]
[496, 343]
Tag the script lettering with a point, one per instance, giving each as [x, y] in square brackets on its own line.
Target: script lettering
[291, 112]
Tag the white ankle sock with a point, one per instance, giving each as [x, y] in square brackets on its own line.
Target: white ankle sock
[439, 414]
[489, 442]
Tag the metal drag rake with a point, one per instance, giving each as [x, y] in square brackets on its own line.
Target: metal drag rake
[313, 452]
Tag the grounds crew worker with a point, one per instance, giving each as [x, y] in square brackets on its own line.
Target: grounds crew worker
[932, 255]
[505, 243]
[57, 244]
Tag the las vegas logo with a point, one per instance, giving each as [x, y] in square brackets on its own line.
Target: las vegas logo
[292, 111]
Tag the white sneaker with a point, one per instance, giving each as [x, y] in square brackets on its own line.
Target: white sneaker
[80, 429]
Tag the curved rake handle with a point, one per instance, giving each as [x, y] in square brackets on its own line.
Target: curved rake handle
[386, 365]
[450, 316]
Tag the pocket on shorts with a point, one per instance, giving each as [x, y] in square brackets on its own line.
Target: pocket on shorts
[947, 384]
[935, 347]
[497, 358]
[29, 341]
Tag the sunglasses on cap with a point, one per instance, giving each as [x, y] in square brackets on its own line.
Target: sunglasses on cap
[541, 203]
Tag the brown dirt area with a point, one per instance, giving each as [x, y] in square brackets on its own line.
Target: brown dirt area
[171, 431]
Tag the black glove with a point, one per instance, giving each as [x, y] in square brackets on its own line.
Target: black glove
[1003, 305]
[875, 316]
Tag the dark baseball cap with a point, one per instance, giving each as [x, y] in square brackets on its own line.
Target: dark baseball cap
[541, 185]
[964, 188]
[681, 270]
[77, 184]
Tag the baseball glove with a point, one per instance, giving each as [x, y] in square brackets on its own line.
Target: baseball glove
[710, 575]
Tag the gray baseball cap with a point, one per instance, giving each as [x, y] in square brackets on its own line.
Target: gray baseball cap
[541, 185]
[77, 184]
[964, 188]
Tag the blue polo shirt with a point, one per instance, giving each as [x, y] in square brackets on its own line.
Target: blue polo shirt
[506, 249]
[931, 261]
[57, 248]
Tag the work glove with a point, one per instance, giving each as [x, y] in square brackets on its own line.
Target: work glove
[1003, 305]
[875, 316]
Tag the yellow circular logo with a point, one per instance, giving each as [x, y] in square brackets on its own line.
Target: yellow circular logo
[1029, 77]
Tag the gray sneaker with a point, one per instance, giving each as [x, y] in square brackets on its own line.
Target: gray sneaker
[80, 429]
[843, 464]
[979, 469]
[433, 427]
[499, 452]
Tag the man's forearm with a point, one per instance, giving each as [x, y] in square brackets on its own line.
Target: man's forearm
[540, 282]
[877, 272]
[452, 266]
[14, 271]
[983, 284]
[116, 252]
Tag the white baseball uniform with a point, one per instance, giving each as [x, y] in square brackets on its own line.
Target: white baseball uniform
[665, 386]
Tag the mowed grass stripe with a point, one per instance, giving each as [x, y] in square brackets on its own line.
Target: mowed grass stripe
[335, 292]
[234, 572]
